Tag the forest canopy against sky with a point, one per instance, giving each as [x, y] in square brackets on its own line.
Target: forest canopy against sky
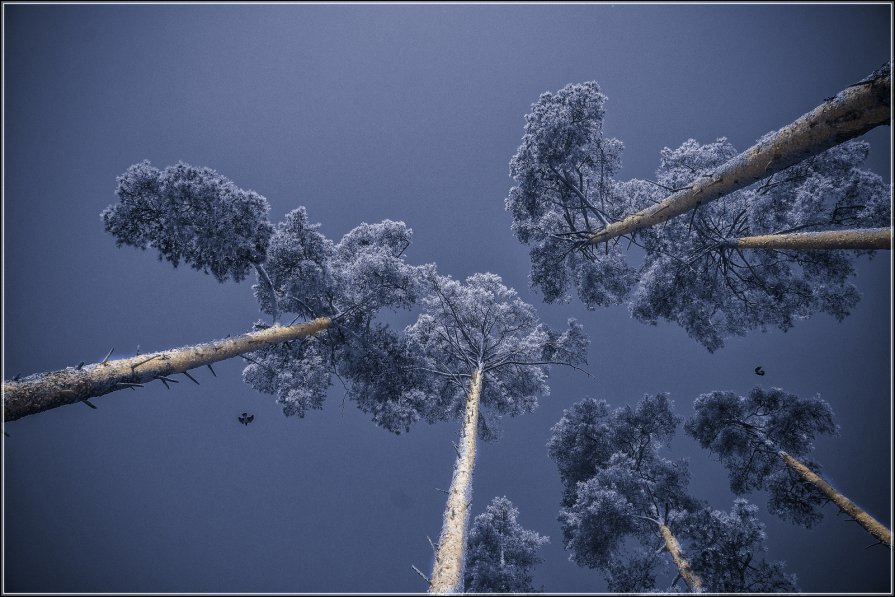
[395, 128]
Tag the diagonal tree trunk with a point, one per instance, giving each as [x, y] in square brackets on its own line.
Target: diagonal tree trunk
[447, 573]
[854, 111]
[860, 238]
[873, 526]
[43, 391]
[683, 566]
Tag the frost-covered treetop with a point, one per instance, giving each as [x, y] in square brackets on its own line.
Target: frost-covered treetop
[198, 216]
[617, 483]
[191, 214]
[565, 189]
[724, 421]
[619, 487]
[299, 267]
[500, 553]
[362, 273]
[350, 282]
[590, 433]
[726, 549]
[687, 270]
[747, 432]
[694, 275]
[482, 324]
[564, 166]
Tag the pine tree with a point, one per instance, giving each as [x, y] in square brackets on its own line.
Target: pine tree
[765, 440]
[196, 216]
[486, 355]
[750, 258]
[621, 496]
[500, 553]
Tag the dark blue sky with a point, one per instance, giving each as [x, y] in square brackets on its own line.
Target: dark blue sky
[361, 113]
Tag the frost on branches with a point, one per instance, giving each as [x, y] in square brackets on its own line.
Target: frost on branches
[485, 355]
[193, 215]
[484, 325]
[624, 504]
[747, 433]
[348, 282]
[566, 189]
[692, 274]
[726, 547]
[500, 553]
[686, 270]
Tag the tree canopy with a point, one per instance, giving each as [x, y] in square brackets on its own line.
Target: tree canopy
[689, 269]
[190, 214]
[500, 553]
[622, 495]
[482, 324]
[747, 432]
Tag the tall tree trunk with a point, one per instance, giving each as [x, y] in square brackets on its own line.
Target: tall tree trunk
[861, 238]
[854, 111]
[683, 566]
[43, 391]
[447, 574]
[873, 526]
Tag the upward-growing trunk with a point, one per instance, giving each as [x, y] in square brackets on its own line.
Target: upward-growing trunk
[853, 112]
[447, 573]
[873, 526]
[860, 238]
[43, 391]
[683, 566]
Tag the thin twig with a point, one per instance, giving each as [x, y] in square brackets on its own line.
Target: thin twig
[417, 570]
[187, 373]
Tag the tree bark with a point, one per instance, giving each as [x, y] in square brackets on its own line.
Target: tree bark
[873, 526]
[43, 391]
[683, 566]
[860, 238]
[854, 111]
[447, 573]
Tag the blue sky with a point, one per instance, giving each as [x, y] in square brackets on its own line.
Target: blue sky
[362, 113]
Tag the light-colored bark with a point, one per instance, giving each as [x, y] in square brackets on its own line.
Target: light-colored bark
[861, 238]
[853, 112]
[43, 391]
[873, 526]
[447, 573]
[683, 566]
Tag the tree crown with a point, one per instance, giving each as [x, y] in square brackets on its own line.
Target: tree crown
[500, 553]
[747, 433]
[191, 214]
[687, 270]
[484, 325]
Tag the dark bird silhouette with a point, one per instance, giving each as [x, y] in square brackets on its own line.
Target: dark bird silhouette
[246, 418]
[759, 370]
